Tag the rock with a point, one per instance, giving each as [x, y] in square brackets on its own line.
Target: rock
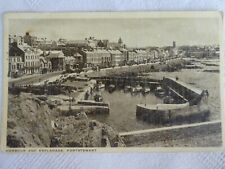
[29, 119]
[30, 124]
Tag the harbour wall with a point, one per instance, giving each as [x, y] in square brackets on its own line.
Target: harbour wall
[179, 113]
[73, 110]
[194, 133]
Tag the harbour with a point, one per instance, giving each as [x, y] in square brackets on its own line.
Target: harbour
[124, 88]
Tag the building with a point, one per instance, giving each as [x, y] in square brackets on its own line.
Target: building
[15, 38]
[142, 56]
[105, 43]
[47, 45]
[79, 61]
[60, 44]
[92, 42]
[154, 54]
[74, 62]
[45, 65]
[31, 59]
[96, 57]
[77, 43]
[23, 59]
[117, 57]
[27, 39]
[57, 60]
[125, 54]
[113, 45]
[132, 57]
[170, 51]
[16, 61]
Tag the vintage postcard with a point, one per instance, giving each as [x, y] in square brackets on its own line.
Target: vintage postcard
[113, 82]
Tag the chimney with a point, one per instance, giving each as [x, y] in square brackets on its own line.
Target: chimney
[174, 44]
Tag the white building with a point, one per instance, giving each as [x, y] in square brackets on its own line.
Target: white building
[23, 59]
[117, 57]
[31, 59]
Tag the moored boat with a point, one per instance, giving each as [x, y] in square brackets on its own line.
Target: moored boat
[127, 88]
[98, 98]
[111, 87]
[159, 92]
[101, 85]
[146, 90]
[138, 88]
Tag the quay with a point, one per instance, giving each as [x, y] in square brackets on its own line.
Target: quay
[195, 133]
[192, 104]
[70, 110]
[188, 92]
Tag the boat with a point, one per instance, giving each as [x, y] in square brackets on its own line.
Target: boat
[168, 100]
[146, 90]
[101, 85]
[127, 88]
[133, 90]
[159, 92]
[138, 88]
[111, 87]
[98, 98]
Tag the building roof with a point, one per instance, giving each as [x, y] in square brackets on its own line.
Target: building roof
[43, 59]
[75, 42]
[26, 48]
[77, 55]
[39, 51]
[123, 50]
[97, 51]
[60, 43]
[132, 51]
[141, 51]
[113, 44]
[69, 58]
[115, 52]
[55, 54]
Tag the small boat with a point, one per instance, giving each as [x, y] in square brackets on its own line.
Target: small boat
[168, 100]
[101, 85]
[146, 90]
[138, 88]
[111, 87]
[133, 89]
[159, 92]
[127, 88]
[98, 98]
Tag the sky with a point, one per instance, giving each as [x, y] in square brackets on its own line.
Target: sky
[134, 32]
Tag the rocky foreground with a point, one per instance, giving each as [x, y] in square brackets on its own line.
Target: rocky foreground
[31, 123]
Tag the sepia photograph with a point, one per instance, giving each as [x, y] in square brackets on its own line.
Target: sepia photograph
[113, 80]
